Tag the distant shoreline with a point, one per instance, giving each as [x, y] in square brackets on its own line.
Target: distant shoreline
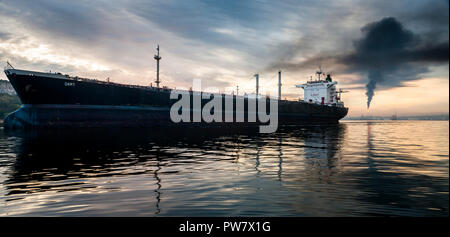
[351, 119]
[356, 120]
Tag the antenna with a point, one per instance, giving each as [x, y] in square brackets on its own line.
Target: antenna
[340, 91]
[257, 84]
[157, 58]
[8, 65]
[279, 85]
[319, 72]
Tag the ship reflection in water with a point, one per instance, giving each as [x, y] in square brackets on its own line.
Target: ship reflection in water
[395, 168]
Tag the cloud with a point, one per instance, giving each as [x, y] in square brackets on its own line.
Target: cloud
[221, 42]
[4, 36]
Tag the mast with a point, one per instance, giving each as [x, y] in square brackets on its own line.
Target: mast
[279, 85]
[257, 84]
[157, 58]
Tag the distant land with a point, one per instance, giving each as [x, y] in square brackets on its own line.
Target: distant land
[409, 117]
[6, 88]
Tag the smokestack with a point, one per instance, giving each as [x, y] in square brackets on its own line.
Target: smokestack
[279, 85]
[257, 84]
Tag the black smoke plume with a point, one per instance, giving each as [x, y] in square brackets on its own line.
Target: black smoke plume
[386, 55]
[378, 50]
[391, 54]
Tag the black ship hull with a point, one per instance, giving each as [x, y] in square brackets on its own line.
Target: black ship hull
[54, 100]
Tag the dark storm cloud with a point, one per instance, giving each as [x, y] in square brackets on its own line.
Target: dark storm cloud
[77, 20]
[431, 16]
[87, 20]
[201, 20]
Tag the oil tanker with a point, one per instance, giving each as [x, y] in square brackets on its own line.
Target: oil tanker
[55, 100]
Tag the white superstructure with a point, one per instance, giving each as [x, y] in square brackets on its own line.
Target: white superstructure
[322, 91]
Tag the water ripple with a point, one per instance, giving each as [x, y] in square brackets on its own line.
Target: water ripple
[351, 169]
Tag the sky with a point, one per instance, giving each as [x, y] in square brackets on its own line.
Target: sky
[392, 56]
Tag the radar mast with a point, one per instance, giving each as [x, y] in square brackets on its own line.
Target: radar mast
[157, 58]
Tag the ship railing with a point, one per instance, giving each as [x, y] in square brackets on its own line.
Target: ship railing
[118, 84]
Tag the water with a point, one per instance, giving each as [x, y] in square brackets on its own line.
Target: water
[357, 168]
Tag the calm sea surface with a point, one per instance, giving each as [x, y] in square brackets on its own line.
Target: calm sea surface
[356, 168]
